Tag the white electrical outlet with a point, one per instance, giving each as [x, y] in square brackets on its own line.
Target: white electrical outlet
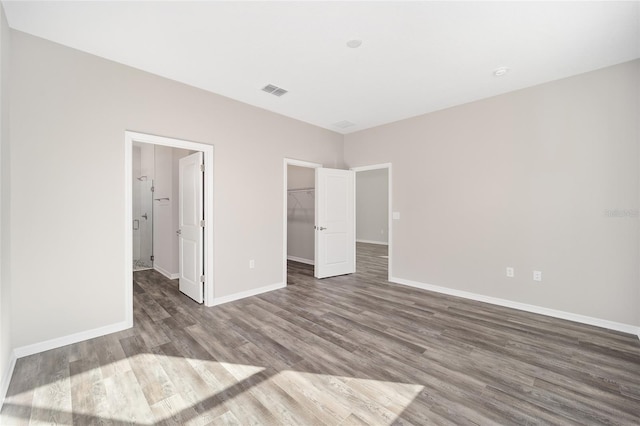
[510, 272]
[537, 275]
[252, 264]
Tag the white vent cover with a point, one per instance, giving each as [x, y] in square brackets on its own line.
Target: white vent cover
[344, 124]
[274, 90]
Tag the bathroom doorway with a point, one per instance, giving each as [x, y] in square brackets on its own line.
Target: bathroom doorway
[142, 203]
[161, 201]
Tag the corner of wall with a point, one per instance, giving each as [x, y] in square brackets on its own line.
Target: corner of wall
[7, 355]
[5, 379]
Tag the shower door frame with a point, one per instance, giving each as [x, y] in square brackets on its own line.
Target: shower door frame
[148, 228]
[207, 150]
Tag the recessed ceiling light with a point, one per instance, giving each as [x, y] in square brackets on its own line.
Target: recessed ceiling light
[354, 43]
[499, 72]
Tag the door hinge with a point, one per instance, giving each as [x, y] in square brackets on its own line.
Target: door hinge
[201, 278]
[202, 223]
[153, 189]
[152, 258]
[202, 167]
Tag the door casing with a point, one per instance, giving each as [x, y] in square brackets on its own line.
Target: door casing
[208, 151]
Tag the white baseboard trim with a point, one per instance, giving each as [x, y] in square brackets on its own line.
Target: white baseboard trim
[611, 325]
[248, 293]
[166, 273]
[301, 260]
[382, 243]
[6, 377]
[59, 342]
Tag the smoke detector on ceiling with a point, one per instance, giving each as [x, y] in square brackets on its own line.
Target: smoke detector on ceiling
[499, 72]
[274, 90]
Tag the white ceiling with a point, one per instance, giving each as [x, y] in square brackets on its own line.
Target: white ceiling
[416, 57]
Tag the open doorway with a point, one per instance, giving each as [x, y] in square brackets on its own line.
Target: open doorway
[142, 190]
[300, 214]
[155, 207]
[373, 224]
[299, 218]
[165, 161]
[334, 230]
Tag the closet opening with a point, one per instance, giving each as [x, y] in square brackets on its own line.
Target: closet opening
[299, 205]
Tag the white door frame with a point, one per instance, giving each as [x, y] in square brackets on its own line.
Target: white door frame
[290, 162]
[389, 206]
[129, 138]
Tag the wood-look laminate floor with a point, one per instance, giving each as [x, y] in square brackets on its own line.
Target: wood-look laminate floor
[347, 350]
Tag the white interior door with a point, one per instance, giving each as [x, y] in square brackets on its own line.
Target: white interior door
[190, 233]
[335, 252]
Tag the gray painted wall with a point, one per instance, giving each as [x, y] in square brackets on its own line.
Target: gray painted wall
[69, 111]
[544, 178]
[372, 206]
[6, 344]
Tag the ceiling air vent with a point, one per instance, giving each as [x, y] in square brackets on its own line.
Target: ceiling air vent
[274, 90]
[344, 124]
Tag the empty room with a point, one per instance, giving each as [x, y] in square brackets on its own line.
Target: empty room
[311, 213]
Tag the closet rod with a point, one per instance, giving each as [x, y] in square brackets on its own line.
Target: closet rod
[300, 190]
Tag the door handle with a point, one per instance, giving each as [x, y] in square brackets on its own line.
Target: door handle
[320, 228]
[145, 216]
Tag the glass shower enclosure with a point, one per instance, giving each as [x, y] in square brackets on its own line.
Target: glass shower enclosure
[142, 223]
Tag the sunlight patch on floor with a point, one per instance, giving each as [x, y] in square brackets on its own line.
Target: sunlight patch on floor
[374, 401]
[149, 388]
[124, 393]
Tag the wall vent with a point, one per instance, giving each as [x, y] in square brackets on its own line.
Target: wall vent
[344, 124]
[274, 90]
